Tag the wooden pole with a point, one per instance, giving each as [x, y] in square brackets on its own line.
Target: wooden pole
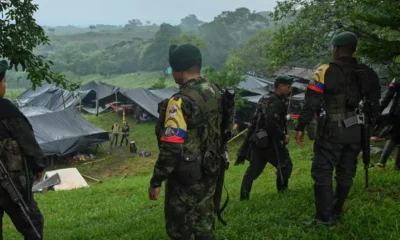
[91, 178]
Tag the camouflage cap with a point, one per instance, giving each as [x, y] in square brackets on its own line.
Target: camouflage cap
[184, 56]
[284, 79]
[345, 39]
[3, 66]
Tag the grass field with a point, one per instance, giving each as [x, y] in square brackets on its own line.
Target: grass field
[13, 93]
[131, 80]
[119, 208]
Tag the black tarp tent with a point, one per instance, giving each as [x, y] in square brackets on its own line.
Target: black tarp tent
[64, 132]
[144, 98]
[255, 85]
[51, 97]
[165, 92]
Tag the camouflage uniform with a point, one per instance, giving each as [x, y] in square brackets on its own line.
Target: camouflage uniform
[187, 136]
[22, 157]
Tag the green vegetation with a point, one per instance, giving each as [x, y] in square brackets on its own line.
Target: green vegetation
[119, 208]
[12, 94]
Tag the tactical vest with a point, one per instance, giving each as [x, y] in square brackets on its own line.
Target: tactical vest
[341, 105]
[206, 131]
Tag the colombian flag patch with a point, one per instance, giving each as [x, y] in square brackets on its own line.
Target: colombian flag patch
[317, 84]
[175, 126]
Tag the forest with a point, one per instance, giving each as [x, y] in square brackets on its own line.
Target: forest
[297, 33]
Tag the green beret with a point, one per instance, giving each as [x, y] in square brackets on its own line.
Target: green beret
[345, 39]
[3, 66]
[184, 56]
[284, 79]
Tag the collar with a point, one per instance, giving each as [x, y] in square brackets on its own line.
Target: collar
[192, 82]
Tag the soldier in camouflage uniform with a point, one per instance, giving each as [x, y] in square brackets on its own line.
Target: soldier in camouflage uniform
[23, 159]
[267, 137]
[188, 144]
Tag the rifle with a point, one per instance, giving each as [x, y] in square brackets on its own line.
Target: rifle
[365, 114]
[15, 195]
[363, 117]
[226, 132]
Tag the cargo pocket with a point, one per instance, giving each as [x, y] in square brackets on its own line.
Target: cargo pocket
[189, 170]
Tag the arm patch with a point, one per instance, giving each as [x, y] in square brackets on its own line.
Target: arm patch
[175, 126]
[395, 82]
[317, 84]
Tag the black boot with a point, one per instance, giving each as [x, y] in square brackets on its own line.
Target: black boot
[245, 188]
[324, 206]
[341, 194]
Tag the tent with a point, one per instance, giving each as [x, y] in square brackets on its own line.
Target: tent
[51, 97]
[70, 179]
[148, 99]
[64, 132]
[295, 72]
[255, 85]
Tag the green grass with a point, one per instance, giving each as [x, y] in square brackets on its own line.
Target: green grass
[131, 80]
[120, 209]
[12, 94]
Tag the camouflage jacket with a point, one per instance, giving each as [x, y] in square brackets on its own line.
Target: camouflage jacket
[185, 131]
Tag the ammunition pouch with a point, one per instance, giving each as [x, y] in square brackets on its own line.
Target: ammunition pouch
[189, 170]
[14, 162]
[212, 163]
[312, 129]
[261, 139]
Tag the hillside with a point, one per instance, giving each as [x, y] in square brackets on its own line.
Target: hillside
[119, 208]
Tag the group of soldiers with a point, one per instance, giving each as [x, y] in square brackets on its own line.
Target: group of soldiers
[343, 98]
[193, 130]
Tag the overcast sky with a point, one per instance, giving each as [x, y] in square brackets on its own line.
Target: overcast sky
[118, 12]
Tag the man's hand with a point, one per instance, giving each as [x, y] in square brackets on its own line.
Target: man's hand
[287, 139]
[300, 138]
[154, 193]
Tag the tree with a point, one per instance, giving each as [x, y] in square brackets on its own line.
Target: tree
[106, 68]
[19, 36]
[253, 56]
[189, 39]
[133, 25]
[92, 27]
[52, 30]
[148, 23]
[308, 37]
[190, 23]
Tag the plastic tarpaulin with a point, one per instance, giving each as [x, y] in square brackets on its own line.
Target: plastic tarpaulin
[64, 132]
[165, 92]
[144, 98]
[50, 97]
[33, 111]
[295, 72]
[256, 85]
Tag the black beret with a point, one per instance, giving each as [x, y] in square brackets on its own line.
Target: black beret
[345, 39]
[3, 66]
[184, 56]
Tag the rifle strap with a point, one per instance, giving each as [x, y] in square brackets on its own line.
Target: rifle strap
[221, 210]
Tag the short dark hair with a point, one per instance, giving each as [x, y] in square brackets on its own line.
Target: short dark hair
[349, 49]
[195, 68]
[2, 75]
[277, 83]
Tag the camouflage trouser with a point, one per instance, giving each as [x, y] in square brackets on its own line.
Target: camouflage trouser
[189, 210]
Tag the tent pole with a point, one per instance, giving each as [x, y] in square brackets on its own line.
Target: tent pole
[80, 107]
[116, 102]
[105, 149]
[97, 108]
[62, 94]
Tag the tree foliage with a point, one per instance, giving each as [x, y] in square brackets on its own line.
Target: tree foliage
[19, 36]
[308, 37]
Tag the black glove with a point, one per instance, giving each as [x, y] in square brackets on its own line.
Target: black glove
[240, 160]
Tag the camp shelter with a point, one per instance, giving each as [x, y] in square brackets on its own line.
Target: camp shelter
[64, 132]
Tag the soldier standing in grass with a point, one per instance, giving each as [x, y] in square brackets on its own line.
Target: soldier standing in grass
[189, 148]
[23, 159]
[267, 138]
[393, 93]
[337, 88]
